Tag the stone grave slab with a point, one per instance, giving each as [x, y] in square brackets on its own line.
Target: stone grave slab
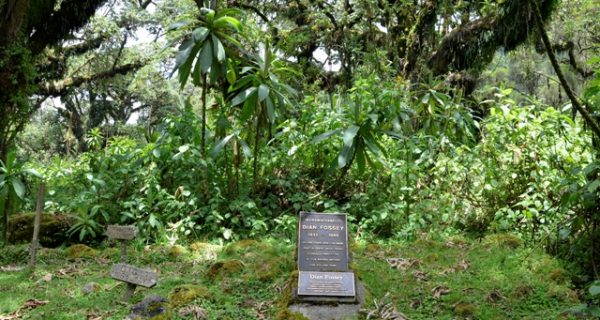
[322, 242]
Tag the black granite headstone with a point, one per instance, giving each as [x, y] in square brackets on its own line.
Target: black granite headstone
[323, 257]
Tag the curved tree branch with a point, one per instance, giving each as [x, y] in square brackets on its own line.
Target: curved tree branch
[60, 87]
[574, 100]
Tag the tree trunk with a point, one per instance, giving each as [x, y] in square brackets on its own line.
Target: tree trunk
[203, 133]
[255, 161]
[7, 205]
[36, 225]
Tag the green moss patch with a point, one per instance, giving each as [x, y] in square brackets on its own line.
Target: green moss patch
[81, 251]
[225, 268]
[184, 294]
[53, 228]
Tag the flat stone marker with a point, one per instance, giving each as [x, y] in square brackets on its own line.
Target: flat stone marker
[133, 276]
[121, 232]
[323, 258]
[322, 242]
[313, 283]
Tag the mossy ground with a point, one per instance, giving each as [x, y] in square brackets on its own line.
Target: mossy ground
[451, 279]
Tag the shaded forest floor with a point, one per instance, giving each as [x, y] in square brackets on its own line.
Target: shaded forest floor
[495, 278]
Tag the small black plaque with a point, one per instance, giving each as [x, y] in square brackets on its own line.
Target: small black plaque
[322, 242]
[331, 284]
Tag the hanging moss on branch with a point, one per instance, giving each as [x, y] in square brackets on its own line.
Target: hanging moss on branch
[472, 46]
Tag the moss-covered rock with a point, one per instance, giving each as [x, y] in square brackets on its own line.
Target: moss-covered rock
[200, 246]
[184, 294]
[505, 240]
[225, 267]
[81, 251]
[267, 270]
[464, 309]
[558, 275]
[562, 293]
[176, 251]
[151, 308]
[372, 248]
[53, 228]
[523, 291]
[242, 246]
[89, 288]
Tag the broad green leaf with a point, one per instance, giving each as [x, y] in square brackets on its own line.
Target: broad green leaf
[215, 72]
[242, 82]
[229, 39]
[263, 92]
[246, 149]
[360, 160]
[219, 50]
[325, 136]
[349, 135]
[230, 75]
[18, 187]
[183, 54]
[593, 185]
[209, 13]
[10, 160]
[226, 21]
[206, 56]
[594, 290]
[373, 147]
[242, 96]
[178, 24]
[247, 110]
[219, 146]
[184, 148]
[199, 34]
[34, 173]
[392, 134]
[184, 70]
[153, 221]
[346, 155]
[270, 109]
[197, 73]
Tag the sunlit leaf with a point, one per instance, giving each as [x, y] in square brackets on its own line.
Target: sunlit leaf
[325, 136]
[349, 135]
[18, 187]
[219, 146]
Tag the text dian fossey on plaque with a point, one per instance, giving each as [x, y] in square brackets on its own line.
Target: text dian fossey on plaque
[323, 256]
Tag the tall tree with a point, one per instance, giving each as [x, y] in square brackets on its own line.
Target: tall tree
[35, 38]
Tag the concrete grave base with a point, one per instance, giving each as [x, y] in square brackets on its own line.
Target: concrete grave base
[325, 309]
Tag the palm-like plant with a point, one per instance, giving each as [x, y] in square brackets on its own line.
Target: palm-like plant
[204, 54]
[12, 187]
[261, 95]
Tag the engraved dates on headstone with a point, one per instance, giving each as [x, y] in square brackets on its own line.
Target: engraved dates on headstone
[121, 232]
[314, 283]
[133, 275]
[322, 242]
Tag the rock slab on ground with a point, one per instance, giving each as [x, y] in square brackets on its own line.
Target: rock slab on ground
[314, 311]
